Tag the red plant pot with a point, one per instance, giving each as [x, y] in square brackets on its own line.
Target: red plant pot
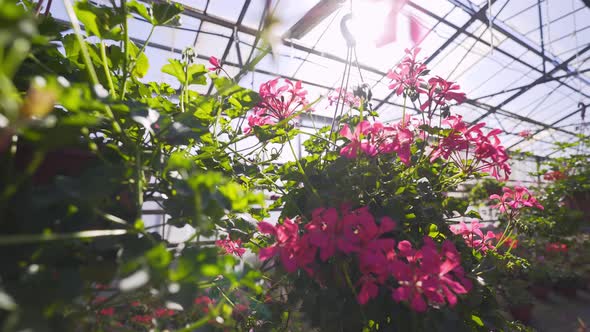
[64, 161]
[567, 291]
[522, 313]
[539, 291]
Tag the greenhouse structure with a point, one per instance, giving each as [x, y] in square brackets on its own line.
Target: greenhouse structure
[282, 165]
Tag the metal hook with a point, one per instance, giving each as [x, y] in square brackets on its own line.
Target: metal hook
[348, 36]
[582, 108]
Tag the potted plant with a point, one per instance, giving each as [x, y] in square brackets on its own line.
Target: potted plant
[519, 300]
[539, 281]
[566, 282]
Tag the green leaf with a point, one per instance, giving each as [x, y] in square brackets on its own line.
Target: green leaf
[103, 22]
[141, 10]
[174, 68]
[195, 72]
[166, 13]
[141, 63]
[477, 320]
[159, 256]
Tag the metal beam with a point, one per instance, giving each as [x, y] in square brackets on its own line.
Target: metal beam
[498, 49]
[551, 79]
[520, 92]
[471, 9]
[312, 18]
[448, 42]
[552, 126]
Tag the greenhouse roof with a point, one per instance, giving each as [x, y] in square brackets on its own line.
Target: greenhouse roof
[522, 63]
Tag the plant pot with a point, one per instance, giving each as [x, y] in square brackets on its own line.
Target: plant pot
[568, 291]
[64, 161]
[540, 291]
[522, 312]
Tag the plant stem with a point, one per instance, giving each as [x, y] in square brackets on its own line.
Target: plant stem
[138, 181]
[105, 66]
[125, 49]
[19, 239]
[83, 48]
[305, 178]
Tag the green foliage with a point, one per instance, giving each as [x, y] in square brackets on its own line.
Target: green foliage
[80, 153]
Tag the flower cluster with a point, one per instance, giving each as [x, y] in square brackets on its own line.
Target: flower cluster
[231, 247]
[408, 77]
[342, 96]
[376, 138]
[472, 150]
[278, 103]
[554, 176]
[514, 199]
[556, 247]
[416, 276]
[215, 64]
[440, 92]
[474, 236]
[525, 134]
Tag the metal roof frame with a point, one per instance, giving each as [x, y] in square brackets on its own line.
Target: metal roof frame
[325, 7]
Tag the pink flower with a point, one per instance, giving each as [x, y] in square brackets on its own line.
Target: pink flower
[556, 247]
[554, 176]
[372, 139]
[231, 247]
[341, 96]
[278, 105]
[525, 134]
[440, 92]
[408, 74]
[142, 319]
[110, 311]
[472, 150]
[513, 200]
[473, 235]
[163, 312]
[324, 230]
[389, 34]
[215, 64]
[292, 252]
[369, 290]
[204, 302]
[429, 275]
[358, 143]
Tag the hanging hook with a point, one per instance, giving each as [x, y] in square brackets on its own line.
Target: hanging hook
[348, 36]
[582, 108]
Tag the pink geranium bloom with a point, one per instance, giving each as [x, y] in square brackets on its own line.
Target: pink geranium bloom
[278, 104]
[429, 275]
[163, 312]
[440, 92]
[554, 176]
[341, 96]
[215, 64]
[525, 133]
[231, 247]
[514, 199]
[389, 34]
[472, 150]
[324, 230]
[369, 290]
[408, 74]
[292, 252]
[474, 236]
[110, 311]
[358, 143]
